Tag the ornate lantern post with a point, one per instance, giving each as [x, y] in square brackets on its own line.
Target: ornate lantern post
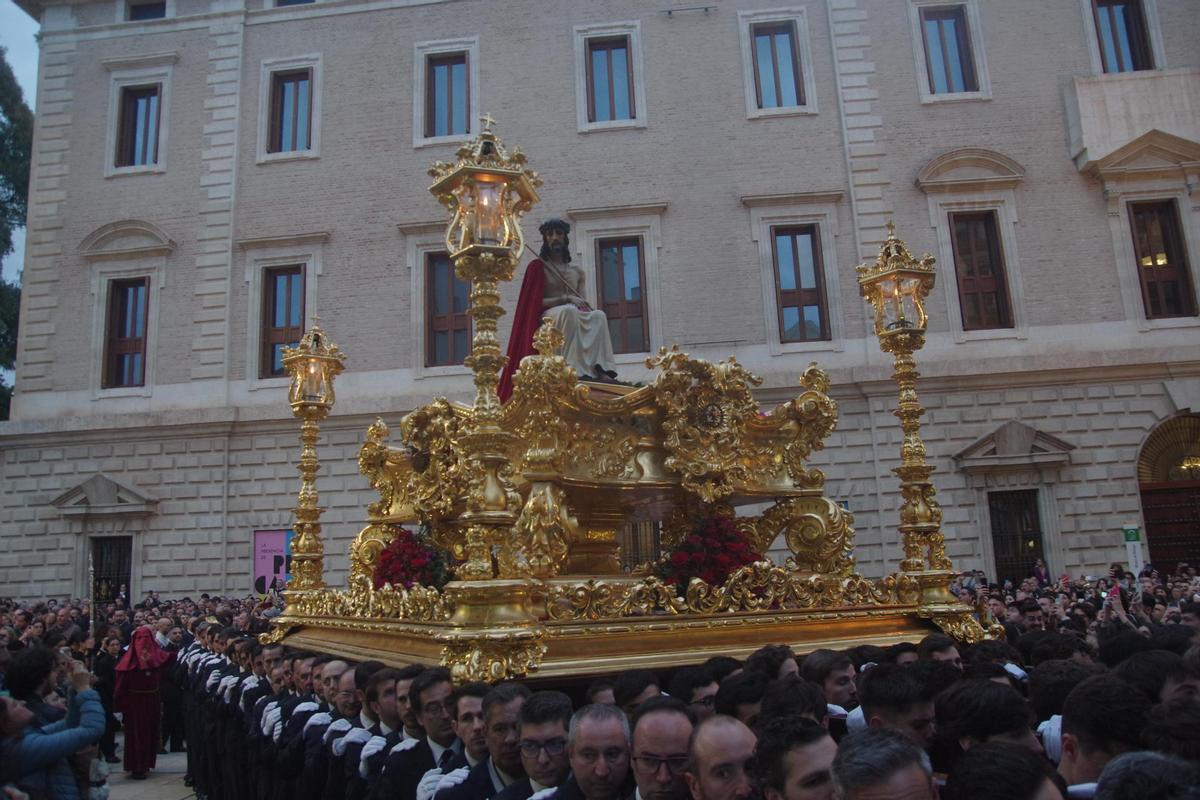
[313, 365]
[486, 191]
[896, 286]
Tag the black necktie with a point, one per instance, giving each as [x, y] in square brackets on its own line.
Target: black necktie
[444, 761]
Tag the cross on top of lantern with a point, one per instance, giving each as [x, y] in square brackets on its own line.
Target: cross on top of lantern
[313, 364]
[487, 190]
[896, 286]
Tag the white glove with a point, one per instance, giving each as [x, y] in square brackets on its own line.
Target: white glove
[429, 784]
[373, 746]
[453, 778]
[404, 744]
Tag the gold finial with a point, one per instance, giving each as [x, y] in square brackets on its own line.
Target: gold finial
[548, 340]
[488, 121]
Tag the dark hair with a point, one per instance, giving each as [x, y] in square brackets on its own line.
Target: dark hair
[1149, 671]
[411, 671]
[891, 687]
[1051, 681]
[999, 771]
[768, 659]
[866, 654]
[631, 683]
[893, 653]
[546, 706]
[869, 756]
[504, 694]
[934, 643]
[1104, 714]
[745, 687]
[1058, 646]
[427, 679]
[364, 671]
[1148, 776]
[1174, 729]
[687, 680]
[819, 663]
[776, 739]
[993, 650]
[380, 677]
[28, 670]
[477, 689]
[979, 709]
[661, 704]
[989, 670]
[722, 667]
[792, 698]
[1115, 649]
[555, 224]
[596, 687]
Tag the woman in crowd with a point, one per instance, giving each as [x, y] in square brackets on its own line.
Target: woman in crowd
[36, 760]
[136, 695]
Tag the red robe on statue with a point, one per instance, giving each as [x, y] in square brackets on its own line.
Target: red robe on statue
[139, 674]
[526, 320]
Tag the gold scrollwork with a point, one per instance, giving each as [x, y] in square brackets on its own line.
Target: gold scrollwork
[598, 599]
[495, 658]
[544, 531]
[958, 624]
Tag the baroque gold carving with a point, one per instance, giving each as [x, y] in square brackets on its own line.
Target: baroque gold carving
[544, 531]
[493, 659]
[959, 624]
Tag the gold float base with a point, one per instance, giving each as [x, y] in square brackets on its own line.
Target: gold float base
[587, 649]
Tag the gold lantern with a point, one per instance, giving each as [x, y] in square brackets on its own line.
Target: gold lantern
[313, 365]
[896, 285]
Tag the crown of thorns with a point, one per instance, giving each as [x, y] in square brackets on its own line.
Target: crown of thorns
[554, 225]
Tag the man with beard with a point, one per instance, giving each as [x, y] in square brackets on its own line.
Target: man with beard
[553, 287]
[501, 709]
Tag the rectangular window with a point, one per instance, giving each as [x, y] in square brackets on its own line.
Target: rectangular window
[948, 57]
[799, 284]
[777, 80]
[622, 277]
[447, 95]
[979, 268]
[151, 10]
[282, 317]
[447, 326]
[137, 132]
[1162, 264]
[125, 340]
[291, 111]
[1016, 533]
[610, 80]
[1124, 39]
[281, 3]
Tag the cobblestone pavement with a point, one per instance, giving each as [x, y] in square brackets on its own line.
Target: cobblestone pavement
[164, 783]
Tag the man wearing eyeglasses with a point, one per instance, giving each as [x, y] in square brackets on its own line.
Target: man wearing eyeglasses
[501, 763]
[409, 760]
[598, 749]
[542, 724]
[661, 731]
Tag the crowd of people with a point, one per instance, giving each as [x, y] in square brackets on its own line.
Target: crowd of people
[1092, 692]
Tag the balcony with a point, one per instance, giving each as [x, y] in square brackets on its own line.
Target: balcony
[1107, 112]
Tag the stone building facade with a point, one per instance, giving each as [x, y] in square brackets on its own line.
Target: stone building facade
[1048, 424]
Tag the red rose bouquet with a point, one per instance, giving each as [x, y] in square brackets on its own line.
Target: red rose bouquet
[410, 560]
[713, 551]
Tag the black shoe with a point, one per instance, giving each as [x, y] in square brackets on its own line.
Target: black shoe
[137, 776]
[162, 752]
[112, 760]
[187, 780]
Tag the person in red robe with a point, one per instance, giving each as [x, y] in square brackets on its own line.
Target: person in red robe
[553, 287]
[139, 675]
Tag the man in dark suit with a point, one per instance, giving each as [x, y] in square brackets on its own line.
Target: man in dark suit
[661, 729]
[542, 724]
[363, 762]
[598, 749]
[467, 701]
[501, 709]
[408, 761]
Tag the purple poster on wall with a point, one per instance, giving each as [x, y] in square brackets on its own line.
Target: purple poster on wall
[272, 560]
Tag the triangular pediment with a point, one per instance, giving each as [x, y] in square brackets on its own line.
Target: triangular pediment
[969, 169]
[125, 239]
[1014, 446]
[100, 495]
[1153, 152]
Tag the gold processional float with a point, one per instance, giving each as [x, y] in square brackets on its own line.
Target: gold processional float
[530, 496]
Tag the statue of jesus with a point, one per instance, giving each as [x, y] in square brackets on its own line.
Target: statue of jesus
[553, 287]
